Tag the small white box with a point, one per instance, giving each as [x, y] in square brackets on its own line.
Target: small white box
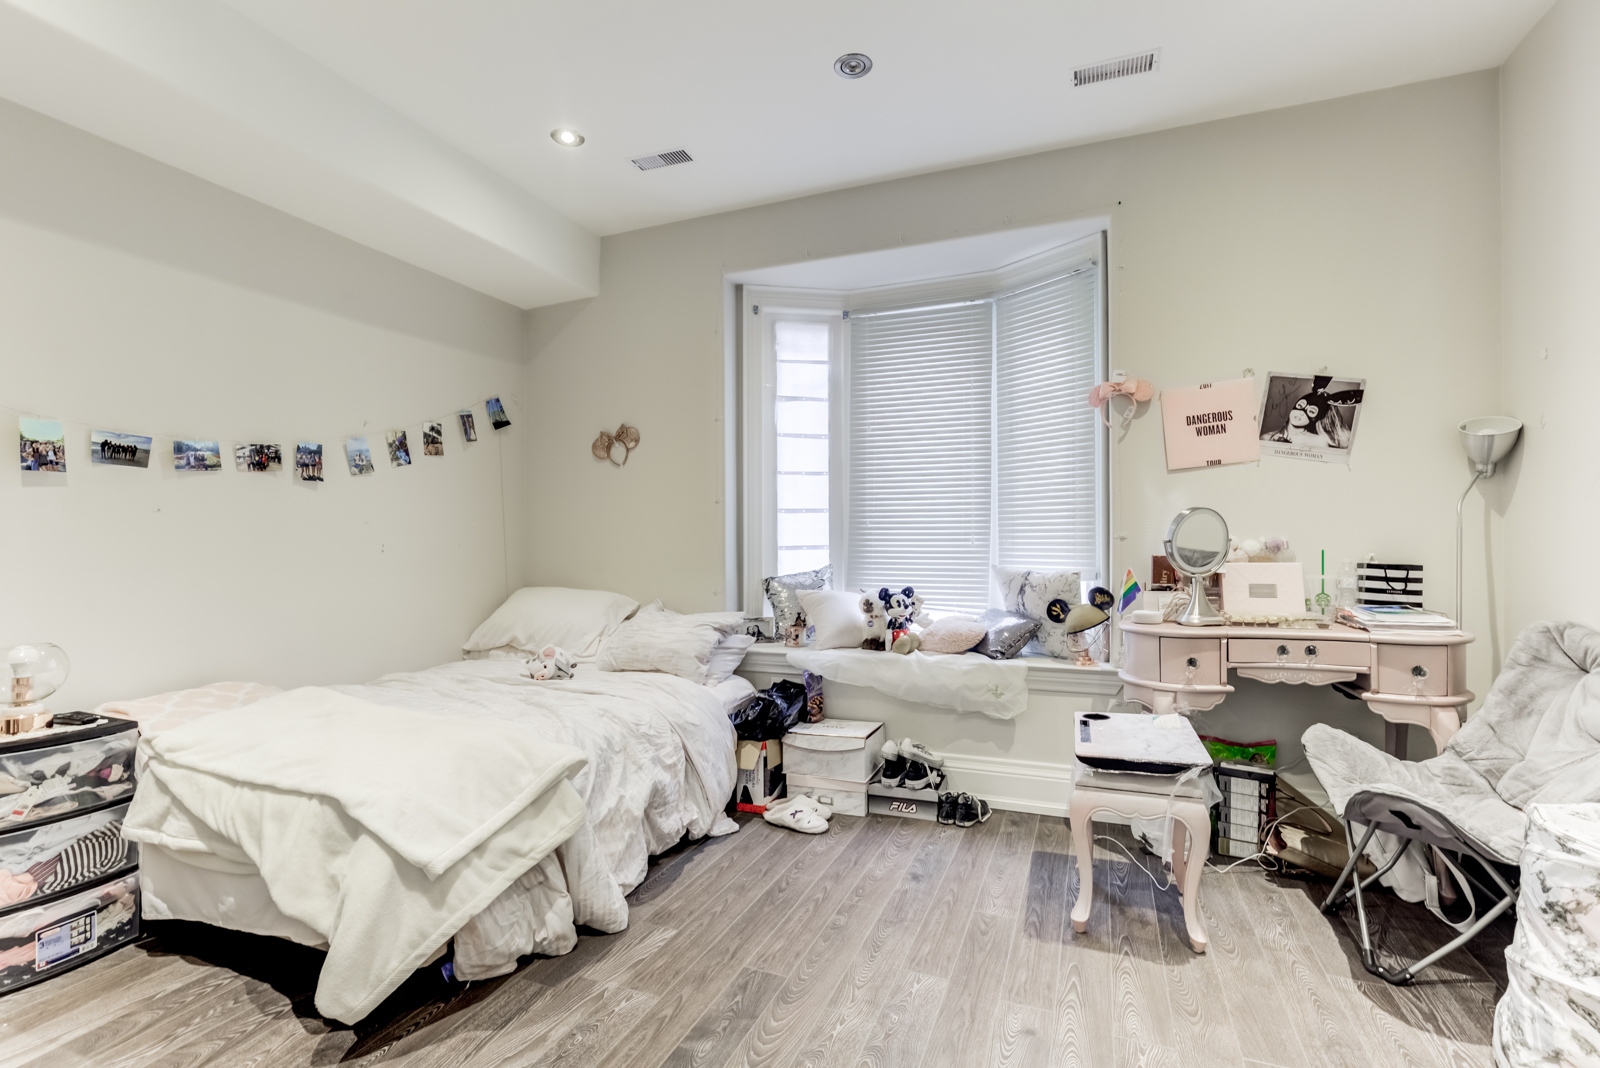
[846, 798]
[898, 801]
[1264, 589]
[848, 749]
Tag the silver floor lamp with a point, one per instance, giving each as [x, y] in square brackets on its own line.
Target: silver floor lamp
[1487, 439]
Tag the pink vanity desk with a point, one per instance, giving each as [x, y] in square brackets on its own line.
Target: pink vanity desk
[1405, 679]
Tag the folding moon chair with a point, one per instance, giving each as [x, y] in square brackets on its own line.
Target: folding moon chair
[1414, 822]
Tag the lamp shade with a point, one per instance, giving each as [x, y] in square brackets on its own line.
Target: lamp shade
[1488, 438]
[35, 672]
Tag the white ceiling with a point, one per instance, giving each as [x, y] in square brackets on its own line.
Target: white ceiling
[749, 89]
[421, 127]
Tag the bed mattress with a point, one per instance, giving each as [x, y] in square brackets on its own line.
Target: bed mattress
[645, 787]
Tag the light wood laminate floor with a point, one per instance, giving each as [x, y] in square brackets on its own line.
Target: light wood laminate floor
[883, 943]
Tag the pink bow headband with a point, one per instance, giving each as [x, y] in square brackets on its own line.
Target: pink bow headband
[1138, 390]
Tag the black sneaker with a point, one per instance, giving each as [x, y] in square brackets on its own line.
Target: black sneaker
[894, 765]
[918, 776]
[970, 810]
[947, 809]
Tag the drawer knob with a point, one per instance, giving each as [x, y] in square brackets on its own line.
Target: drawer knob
[1192, 662]
[1419, 672]
[1283, 650]
[1311, 650]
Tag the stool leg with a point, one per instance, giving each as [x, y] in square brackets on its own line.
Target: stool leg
[1199, 845]
[1083, 842]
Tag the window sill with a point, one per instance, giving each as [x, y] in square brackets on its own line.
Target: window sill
[1045, 674]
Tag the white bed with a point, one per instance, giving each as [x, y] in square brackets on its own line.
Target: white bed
[660, 765]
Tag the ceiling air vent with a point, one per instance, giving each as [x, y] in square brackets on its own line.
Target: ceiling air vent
[1143, 63]
[663, 159]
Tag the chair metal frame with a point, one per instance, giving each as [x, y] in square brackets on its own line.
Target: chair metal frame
[1413, 822]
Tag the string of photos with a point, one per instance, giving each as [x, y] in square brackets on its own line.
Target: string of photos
[44, 448]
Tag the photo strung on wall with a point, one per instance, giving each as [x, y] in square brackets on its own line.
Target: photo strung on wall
[1311, 417]
[42, 448]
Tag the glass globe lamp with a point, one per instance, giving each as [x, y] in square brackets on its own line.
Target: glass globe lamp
[35, 672]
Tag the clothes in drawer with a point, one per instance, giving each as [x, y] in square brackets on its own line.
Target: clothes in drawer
[1420, 670]
[1191, 661]
[43, 859]
[42, 938]
[1301, 652]
[57, 772]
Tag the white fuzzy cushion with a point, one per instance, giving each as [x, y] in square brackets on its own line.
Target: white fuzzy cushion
[658, 639]
[537, 616]
[952, 634]
[1029, 593]
[833, 619]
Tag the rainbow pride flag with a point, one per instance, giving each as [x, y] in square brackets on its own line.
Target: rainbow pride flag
[1130, 592]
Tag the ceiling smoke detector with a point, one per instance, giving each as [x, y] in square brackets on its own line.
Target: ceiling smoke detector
[853, 65]
[1121, 67]
[566, 138]
[663, 159]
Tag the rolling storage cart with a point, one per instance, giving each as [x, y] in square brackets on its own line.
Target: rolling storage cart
[69, 883]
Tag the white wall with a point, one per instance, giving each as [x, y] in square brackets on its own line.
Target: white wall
[1549, 493]
[134, 297]
[1360, 233]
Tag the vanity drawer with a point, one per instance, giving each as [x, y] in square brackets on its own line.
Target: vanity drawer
[1176, 653]
[1414, 669]
[1345, 654]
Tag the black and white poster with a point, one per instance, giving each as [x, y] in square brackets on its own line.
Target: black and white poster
[1310, 417]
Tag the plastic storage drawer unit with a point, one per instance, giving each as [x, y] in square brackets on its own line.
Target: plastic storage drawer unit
[45, 936]
[49, 773]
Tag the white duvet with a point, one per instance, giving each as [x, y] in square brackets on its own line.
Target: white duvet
[656, 750]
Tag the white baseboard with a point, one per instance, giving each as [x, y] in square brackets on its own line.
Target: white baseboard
[1015, 785]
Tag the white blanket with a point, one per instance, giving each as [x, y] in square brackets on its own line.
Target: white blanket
[325, 796]
[969, 682]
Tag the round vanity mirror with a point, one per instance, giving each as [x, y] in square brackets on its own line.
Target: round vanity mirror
[1196, 546]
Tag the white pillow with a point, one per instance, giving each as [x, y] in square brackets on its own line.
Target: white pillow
[833, 619]
[726, 658]
[536, 616]
[658, 639]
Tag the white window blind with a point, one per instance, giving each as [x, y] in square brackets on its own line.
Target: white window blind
[970, 441]
[800, 421]
[1046, 470]
[921, 455]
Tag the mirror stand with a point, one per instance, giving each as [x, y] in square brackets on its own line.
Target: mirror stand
[1200, 611]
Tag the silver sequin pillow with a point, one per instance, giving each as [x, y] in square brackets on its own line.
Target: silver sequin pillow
[783, 592]
[1029, 593]
[1005, 633]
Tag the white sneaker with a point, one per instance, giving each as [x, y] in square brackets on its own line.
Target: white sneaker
[915, 750]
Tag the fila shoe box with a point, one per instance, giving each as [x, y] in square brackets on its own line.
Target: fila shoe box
[898, 801]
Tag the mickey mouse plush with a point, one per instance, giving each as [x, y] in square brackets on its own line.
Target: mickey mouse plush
[901, 608]
[877, 623]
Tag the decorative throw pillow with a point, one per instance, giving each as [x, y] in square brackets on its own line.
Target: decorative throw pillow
[833, 619]
[783, 590]
[658, 639]
[952, 634]
[1029, 593]
[1005, 633]
[726, 657]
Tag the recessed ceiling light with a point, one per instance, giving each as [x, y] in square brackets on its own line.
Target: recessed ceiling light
[852, 65]
[567, 138]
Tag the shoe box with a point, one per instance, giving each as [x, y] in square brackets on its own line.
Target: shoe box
[845, 797]
[845, 749]
[898, 801]
[761, 774]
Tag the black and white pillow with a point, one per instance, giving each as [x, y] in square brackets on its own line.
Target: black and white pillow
[1029, 593]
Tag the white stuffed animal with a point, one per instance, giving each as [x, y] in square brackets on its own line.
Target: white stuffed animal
[877, 623]
[554, 663]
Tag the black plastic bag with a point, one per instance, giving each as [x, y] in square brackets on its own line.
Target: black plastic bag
[771, 713]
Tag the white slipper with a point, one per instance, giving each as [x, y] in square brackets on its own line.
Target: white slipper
[802, 818]
[817, 806]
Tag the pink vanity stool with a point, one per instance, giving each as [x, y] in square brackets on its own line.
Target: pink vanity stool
[1146, 767]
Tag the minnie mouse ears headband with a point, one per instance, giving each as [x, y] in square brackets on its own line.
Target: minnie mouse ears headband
[605, 446]
[1139, 390]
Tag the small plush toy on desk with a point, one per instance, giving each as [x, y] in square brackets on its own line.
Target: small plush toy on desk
[554, 663]
[901, 609]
